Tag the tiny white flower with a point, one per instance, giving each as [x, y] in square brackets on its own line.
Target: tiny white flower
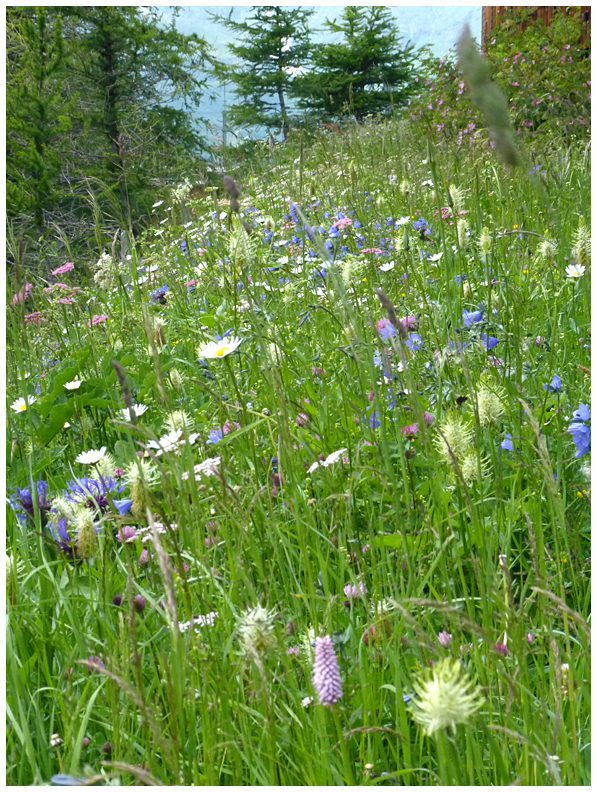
[155, 205]
[73, 384]
[435, 257]
[218, 349]
[138, 409]
[575, 270]
[403, 220]
[389, 265]
[92, 456]
[333, 457]
[306, 701]
[313, 467]
[171, 441]
[427, 183]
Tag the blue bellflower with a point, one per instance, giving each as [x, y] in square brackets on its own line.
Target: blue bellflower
[469, 317]
[581, 433]
[507, 442]
[555, 386]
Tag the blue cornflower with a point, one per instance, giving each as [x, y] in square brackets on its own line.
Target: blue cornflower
[420, 224]
[93, 493]
[507, 442]
[22, 502]
[468, 317]
[581, 434]
[555, 386]
[459, 278]
[62, 537]
[159, 295]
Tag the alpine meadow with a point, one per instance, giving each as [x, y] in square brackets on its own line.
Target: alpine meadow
[298, 430]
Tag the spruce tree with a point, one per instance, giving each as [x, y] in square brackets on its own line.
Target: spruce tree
[37, 117]
[370, 72]
[274, 46]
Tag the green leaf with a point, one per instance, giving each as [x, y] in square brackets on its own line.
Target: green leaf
[389, 540]
[59, 415]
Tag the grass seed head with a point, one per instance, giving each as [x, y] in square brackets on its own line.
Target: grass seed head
[445, 697]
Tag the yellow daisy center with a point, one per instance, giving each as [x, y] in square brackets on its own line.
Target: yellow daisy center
[221, 352]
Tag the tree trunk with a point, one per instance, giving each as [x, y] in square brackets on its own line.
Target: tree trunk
[283, 111]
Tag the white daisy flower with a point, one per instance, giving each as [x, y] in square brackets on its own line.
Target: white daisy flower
[435, 257]
[575, 270]
[138, 409]
[389, 265]
[218, 349]
[92, 456]
[402, 220]
[20, 405]
[171, 441]
[73, 384]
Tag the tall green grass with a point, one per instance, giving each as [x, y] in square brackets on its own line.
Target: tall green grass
[490, 554]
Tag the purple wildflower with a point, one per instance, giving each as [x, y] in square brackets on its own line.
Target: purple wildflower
[326, 674]
[414, 341]
[469, 317]
[583, 413]
[507, 442]
[22, 502]
[488, 342]
[128, 533]
[409, 431]
[581, 434]
[215, 436]
[501, 648]
[93, 661]
[445, 638]
[93, 493]
[555, 386]
[159, 295]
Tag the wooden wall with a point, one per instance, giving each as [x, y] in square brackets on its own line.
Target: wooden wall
[491, 17]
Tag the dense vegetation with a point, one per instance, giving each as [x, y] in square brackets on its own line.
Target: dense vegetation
[299, 478]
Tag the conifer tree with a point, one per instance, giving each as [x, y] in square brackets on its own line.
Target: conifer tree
[274, 46]
[37, 115]
[370, 71]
